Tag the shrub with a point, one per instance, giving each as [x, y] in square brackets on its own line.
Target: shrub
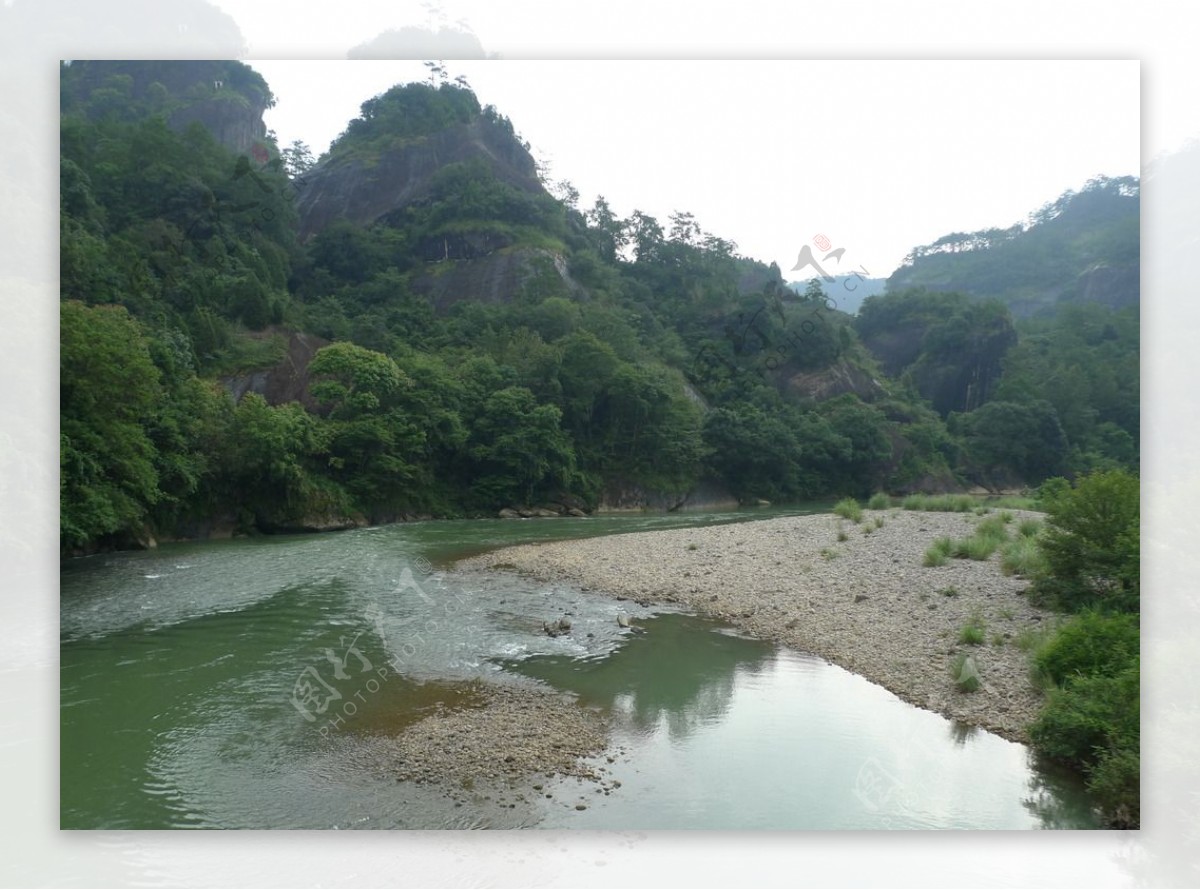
[1091, 544]
[949, 591]
[879, 522]
[842, 536]
[1094, 723]
[1090, 644]
[879, 501]
[848, 508]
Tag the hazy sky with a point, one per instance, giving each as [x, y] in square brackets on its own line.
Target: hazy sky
[877, 156]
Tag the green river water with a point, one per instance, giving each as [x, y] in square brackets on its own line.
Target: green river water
[242, 684]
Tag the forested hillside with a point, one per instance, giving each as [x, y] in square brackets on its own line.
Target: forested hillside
[1082, 247]
[415, 326]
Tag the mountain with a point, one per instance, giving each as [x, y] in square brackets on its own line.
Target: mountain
[226, 98]
[847, 291]
[414, 326]
[1083, 247]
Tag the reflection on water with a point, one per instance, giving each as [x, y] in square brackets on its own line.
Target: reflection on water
[961, 732]
[726, 732]
[677, 673]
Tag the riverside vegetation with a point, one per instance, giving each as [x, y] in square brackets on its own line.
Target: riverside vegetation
[480, 342]
[1083, 561]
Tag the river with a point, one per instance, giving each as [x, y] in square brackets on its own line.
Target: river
[197, 683]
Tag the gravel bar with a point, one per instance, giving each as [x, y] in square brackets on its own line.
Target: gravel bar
[866, 603]
[513, 733]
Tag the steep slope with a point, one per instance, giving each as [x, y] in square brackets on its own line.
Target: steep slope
[362, 186]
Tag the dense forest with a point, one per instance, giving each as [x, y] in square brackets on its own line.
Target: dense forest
[415, 324]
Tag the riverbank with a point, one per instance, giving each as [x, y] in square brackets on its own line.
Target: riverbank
[866, 603]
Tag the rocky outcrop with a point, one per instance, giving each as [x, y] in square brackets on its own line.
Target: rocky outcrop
[626, 497]
[286, 381]
[363, 188]
[235, 124]
[227, 98]
[569, 506]
[471, 273]
[839, 378]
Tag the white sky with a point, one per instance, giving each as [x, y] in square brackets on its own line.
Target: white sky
[878, 156]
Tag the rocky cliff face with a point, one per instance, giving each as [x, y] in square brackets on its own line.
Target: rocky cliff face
[364, 188]
[835, 380]
[286, 381]
[236, 125]
[499, 276]
[227, 98]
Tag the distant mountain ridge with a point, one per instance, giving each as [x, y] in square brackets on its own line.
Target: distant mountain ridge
[1082, 247]
[846, 291]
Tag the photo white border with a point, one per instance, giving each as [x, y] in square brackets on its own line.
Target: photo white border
[1161, 854]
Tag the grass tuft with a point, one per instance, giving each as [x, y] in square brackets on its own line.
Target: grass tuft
[879, 501]
[1022, 557]
[940, 503]
[973, 632]
[848, 508]
[1028, 528]
[975, 548]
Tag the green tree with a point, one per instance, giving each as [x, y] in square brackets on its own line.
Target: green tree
[372, 438]
[353, 380]
[107, 385]
[1091, 544]
[1011, 439]
[519, 449]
